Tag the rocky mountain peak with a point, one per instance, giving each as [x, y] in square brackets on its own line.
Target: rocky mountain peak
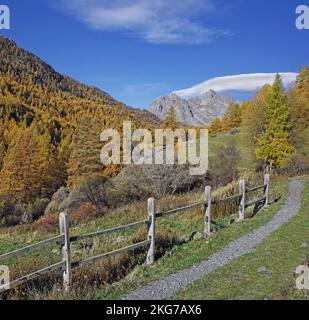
[209, 94]
[195, 111]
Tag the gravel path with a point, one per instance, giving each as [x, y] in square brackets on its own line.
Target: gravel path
[169, 285]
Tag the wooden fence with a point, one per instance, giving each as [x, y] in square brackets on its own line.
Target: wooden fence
[64, 240]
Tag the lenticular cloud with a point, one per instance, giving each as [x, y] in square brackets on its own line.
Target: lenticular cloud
[241, 83]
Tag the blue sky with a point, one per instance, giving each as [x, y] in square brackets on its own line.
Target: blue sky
[137, 50]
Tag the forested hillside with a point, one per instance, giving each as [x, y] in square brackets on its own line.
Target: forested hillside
[43, 117]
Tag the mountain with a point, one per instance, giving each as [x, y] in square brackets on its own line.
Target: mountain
[41, 92]
[195, 111]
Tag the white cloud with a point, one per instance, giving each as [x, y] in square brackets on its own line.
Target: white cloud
[240, 83]
[159, 21]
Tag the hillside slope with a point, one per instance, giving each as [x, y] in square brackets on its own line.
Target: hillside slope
[39, 88]
[50, 126]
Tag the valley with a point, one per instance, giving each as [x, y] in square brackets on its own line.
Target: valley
[50, 128]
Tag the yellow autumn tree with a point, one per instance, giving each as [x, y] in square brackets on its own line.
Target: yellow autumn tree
[215, 126]
[273, 147]
[232, 117]
[27, 172]
[298, 101]
[84, 159]
[302, 83]
[170, 121]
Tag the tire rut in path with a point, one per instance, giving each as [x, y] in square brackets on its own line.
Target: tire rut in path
[169, 285]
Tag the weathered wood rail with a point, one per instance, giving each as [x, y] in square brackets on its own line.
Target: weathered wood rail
[64, 239]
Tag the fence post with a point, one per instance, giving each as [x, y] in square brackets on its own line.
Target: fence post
[242, 204]
[151, 231]
[207, 217]
[266, 189]
[65, 249]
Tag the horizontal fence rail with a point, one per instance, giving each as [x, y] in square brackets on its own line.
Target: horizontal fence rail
[256, 188]
[177, 210]
[253, 202]
[34, 275]
[32, 247]
[64, 240]
[108, 231]
[221, 201]
[110, 254]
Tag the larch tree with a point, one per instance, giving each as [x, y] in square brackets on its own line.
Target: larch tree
[2, 143]
[171, 119]
[302, 83]
[27, 172]
[85, 152]
[215, 126]
[232, 117]
[273, 146]
[253, 119]
[299, 104]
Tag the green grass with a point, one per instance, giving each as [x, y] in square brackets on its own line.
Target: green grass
[185, 256]
[280, 254]
[222, 138]
[247, 160]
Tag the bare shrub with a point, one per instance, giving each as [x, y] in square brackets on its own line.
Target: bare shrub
[170, 179]
[11, 213]
[47, 223]
[59, 196]
[141, 182]
[85, 212]
[298, 165]
[128, 186]
[90, 190]
[36, 210]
